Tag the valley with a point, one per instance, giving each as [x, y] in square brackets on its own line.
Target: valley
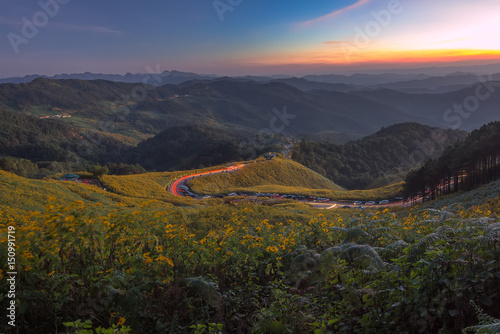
[210, 203]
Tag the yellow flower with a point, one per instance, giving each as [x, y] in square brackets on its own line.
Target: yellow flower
[121, 321]
[272, 249]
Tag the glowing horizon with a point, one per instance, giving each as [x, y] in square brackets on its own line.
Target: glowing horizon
[253, 37]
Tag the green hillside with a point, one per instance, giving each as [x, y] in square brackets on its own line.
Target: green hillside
[195, 146]
[391, 151]
[275, 172]
[29, 137]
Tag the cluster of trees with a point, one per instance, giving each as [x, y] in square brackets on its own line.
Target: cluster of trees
[30, 138]
[395, 149]
[46, 140]
[196, 146]
[125, 169]
[41, 169]
[23, 167]
[464, 166]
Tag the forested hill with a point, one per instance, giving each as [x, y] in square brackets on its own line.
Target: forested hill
[392, 150]
[246, 107]
[466, 165]
[196, 146]
[50, 140]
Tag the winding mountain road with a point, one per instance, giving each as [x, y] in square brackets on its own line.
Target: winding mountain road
[176, 190]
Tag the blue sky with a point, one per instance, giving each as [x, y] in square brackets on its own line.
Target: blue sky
[255, 37]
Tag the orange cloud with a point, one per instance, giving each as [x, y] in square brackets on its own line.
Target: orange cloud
[380, 56]
[337, 12]
[439, 56]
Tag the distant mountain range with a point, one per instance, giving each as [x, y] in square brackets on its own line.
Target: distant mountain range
[406, 82]
[157, 79]
[467, 108]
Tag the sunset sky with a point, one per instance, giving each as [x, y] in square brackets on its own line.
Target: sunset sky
[253, 37]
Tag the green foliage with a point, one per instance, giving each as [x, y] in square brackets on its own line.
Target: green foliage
[192, 146]
[465, 166]
[212, 328]
[357, 164]
[487, 324]
[99, 171]
[126, 253]
[125, 169]
[49, 140]
[79, 327]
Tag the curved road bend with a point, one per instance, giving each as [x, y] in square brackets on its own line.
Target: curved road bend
[175, 190]
[175, 187]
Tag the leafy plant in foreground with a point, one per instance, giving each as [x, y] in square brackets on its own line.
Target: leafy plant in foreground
[487, 324]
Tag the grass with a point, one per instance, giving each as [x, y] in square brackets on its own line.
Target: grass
[284, 177]
[278, 175]
[131, 190]
[31, 195]
[271, 173]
